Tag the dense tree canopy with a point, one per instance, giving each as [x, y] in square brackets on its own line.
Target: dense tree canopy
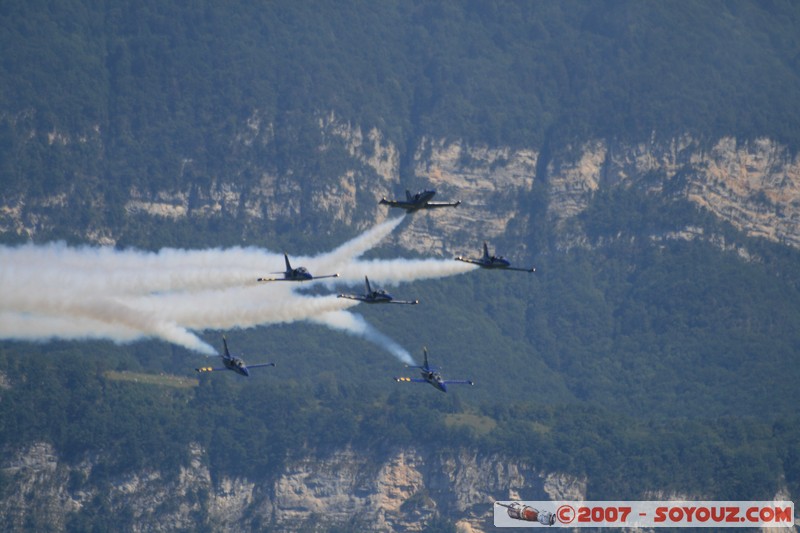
[156, 78]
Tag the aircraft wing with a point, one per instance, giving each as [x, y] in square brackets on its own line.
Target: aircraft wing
[532, 269]
[299, 280]
[325, 276]
[410, 380]
[209, 369]
[404, 302]
[260, 365]
[458, 382]
[433, 205]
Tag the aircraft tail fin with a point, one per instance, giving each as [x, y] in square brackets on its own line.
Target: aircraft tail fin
[288, 266]
[225, 344]
[425, 350]
[366, 282]
[408, 195]
[485, 250]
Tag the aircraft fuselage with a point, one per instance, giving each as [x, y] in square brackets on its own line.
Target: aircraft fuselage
[378, 297]
[496, 262]
[434, 378]
[298, 274]
[423, 197]
[237, 365]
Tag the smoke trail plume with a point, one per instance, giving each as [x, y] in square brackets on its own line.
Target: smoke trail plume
[356, 325]
[393, 271]
[354, 248]
[56, 291]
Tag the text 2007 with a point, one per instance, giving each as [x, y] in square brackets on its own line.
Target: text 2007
[603, 514]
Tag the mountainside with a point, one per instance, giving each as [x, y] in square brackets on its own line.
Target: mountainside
[399, 492]
[643, 156]
[755, 186]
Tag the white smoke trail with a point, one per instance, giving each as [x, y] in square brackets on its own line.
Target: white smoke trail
[238, 307]
[56, 291]
[28, 327]
[77, 303]
[133, 271]
[354, 248]
[393, 271]
[356, 325]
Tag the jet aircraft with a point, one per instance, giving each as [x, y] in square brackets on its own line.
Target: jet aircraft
[296, 274]
[430, 374]
[233, 363]
[376, 296]
[492, 261]
[421, 200]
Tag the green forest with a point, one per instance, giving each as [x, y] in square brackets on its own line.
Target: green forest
[147, 79]
[644, 365]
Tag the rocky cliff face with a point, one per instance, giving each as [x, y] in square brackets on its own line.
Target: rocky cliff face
[396, 492]
[399, 491]
[753, 185]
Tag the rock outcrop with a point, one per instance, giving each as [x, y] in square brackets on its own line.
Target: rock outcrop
[400, 491]
[754, 185]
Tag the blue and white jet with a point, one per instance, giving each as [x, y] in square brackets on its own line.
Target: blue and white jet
[376, 296]
[421, 200]
[430, 374]
[492, 261]
[295, 274]
[233, 363]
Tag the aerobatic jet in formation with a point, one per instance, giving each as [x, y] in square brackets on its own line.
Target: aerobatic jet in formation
[376, 296]
[296, 274]
[430, 374]
[233, 363]
[421, 200]
[492, 261]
